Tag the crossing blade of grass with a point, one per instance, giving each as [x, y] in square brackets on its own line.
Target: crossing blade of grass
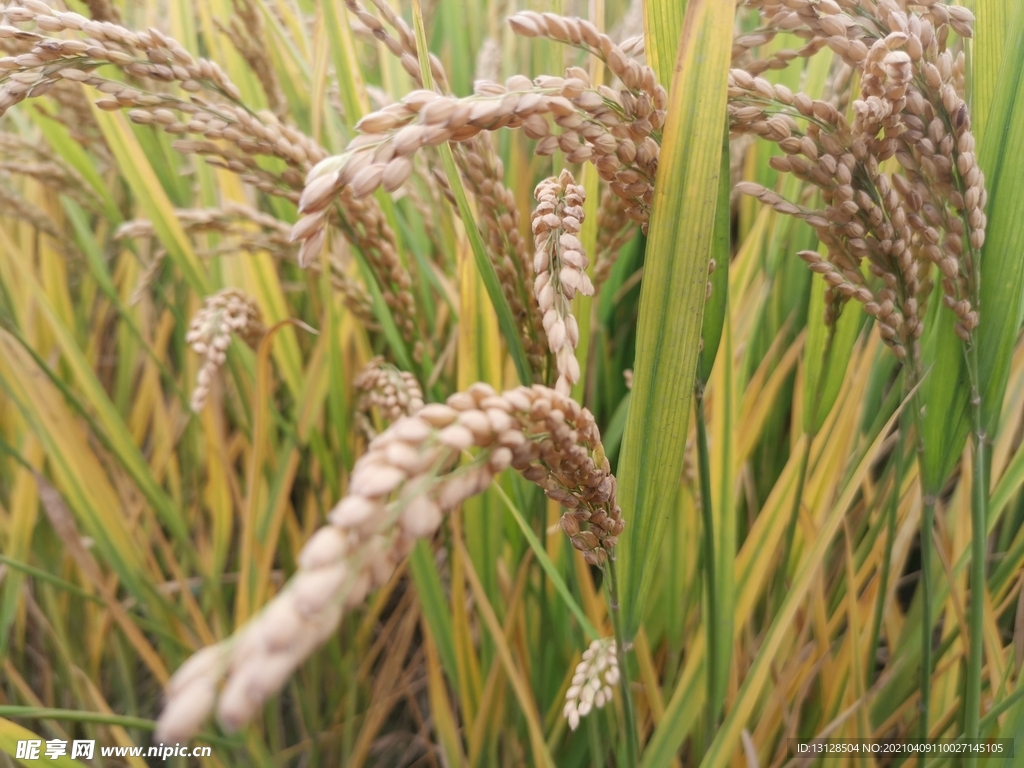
[672, 294]
[718, 302]
[1007, 488]
[49, 578]
[383, 314]
[681, 712]
[724, 469]
[152, 197]
[251, 586]
[721, 751]
[513, 339]
[662, 23]
[93, 252]
[23, 512]
[63, 523]
[116, 430]
[492, 701]
[988, 46]
[440, 708]
[76, 155]
[466, 655]
[74, 465]
[434, 606]
[944, 424]
[346, 66]
[583, 306]
[479, 360]
[541, 755]
[549, 567]
[827, 353]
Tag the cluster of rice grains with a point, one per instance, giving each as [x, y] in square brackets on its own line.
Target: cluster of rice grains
[592, 682]
[617, 130]
[924, 209]
[153, 57]
[388, 391]
[560, 264]
[483, 174]
[225, 313]
[171, 90]
[399, 490]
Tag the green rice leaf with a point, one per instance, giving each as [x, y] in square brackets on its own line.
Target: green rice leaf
[826, 356]
[1002, 260]
[718, 302]
[680, 243]
[490, 278]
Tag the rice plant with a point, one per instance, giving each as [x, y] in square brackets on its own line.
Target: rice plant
[400, 384]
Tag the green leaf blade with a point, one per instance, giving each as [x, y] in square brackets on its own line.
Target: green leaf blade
[675, 283]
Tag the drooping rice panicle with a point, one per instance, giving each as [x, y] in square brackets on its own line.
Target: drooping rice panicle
[618, 131]
[595, 677]
[226, 313]
[911, 106]
[560, 264]
[398, 493]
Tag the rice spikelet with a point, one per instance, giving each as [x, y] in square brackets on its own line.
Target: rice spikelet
[226, 313]
[560, 265]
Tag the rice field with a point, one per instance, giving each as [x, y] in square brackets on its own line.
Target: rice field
[607, 383]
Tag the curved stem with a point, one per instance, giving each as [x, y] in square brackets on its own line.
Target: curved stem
[716, 685]
[632, 738]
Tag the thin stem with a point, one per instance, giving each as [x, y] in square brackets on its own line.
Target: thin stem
[891, 512]
[716, 685]
[927, 526]
[979, 524]
[979, 502]
[614, 610]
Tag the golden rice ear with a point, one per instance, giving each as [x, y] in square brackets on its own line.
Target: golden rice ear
[229, 312]
[560, 264]
[907, 82]
[391, 504]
